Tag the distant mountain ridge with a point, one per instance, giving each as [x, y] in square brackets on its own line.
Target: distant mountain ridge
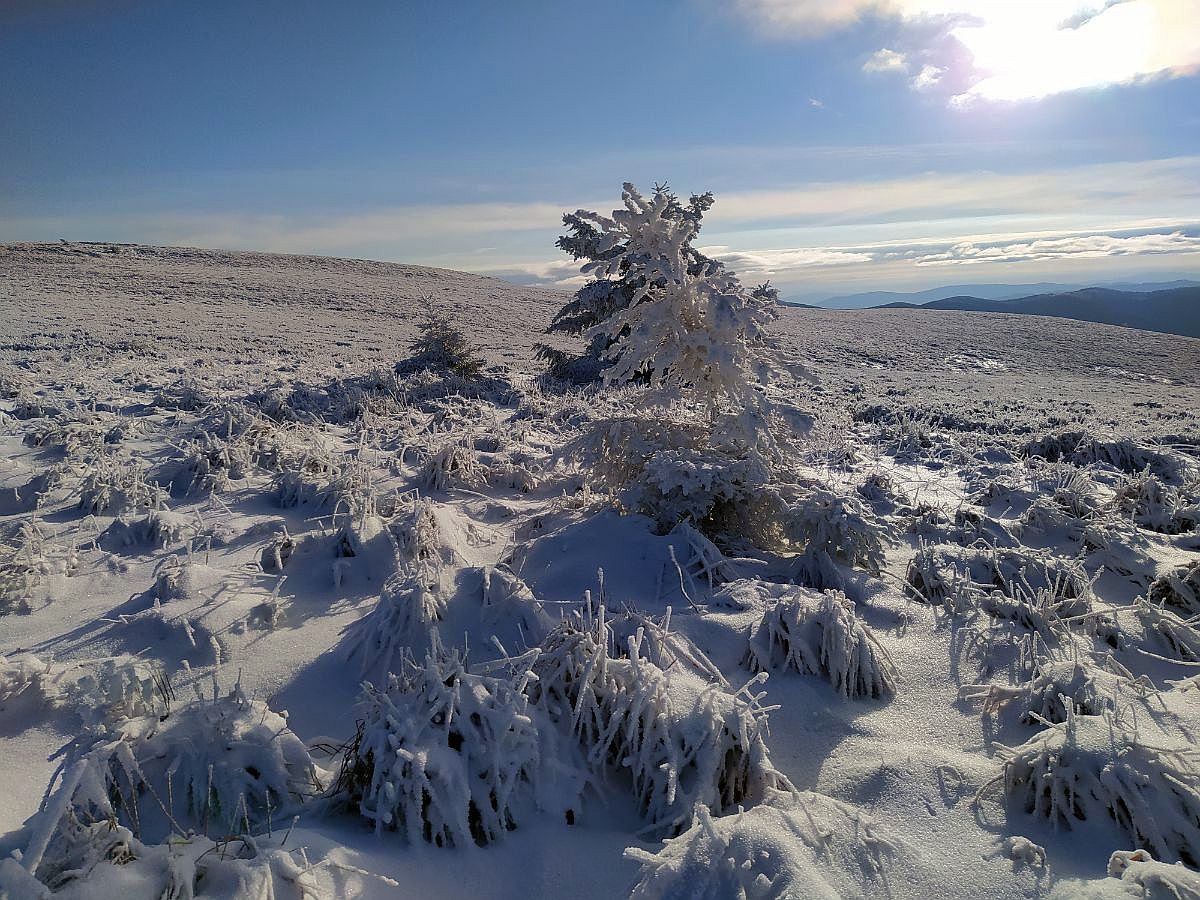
[1173, 311]
[874, 299]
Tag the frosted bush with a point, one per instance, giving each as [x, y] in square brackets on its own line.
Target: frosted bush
[26, 563]
[1098, 768]
[1179, 589]
[402, 619]
[512, 475]
[226, 765]
[1158, 630]
[108, 690]
[684, 740]
[658, 644]
[274, 557]
[93, 859]
[158, 529]
[832, 529]
[701, 562]
[115, 485]
[1060, 686]
[707, 488]
[967, 574]
[1154, 505]
[1081, 449]
[416, 532]
[1045, 610]
[182, 632]
[509, 602]
[452, 465]
[792, 845]
[819, 634]
[445, 756]
[74, 438]
[933, 577]
[1151, 879]
[23, 674]
[210, 463]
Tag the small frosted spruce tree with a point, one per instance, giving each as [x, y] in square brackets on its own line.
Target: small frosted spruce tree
[441, 345]
[626, 253]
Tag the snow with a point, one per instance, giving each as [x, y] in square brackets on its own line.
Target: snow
[222, 509]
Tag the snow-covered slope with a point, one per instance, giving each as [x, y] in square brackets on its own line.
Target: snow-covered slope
[218, 504]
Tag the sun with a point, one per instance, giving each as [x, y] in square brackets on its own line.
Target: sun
[1026, 50]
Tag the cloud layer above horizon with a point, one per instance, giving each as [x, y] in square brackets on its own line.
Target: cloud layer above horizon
[1005, 50]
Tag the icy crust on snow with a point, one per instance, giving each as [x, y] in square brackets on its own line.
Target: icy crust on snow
[947, 647]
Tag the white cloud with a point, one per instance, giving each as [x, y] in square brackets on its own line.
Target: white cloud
[1141, 189]
[815, 103]
[885, 60]
[1078, 247]
[927, 78]
[1009, 50]
[558, 273]
[896, 262]
[806, 17]
[770, 261]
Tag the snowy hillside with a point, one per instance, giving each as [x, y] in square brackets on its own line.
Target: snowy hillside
[277, 616]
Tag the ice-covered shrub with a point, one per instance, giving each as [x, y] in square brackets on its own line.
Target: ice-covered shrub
[933, 577]
[209, 463]
[95, 859]
[113, 485]
[819, 634]
[708, 488]
[1081, 448]
[508, 601]
[403, 619]
[225, 765]
[1159, 630]
[684, 739]
[111, 689]
[1098, 767]
[22, 674]
[452, 465]
[1044, 610]
[415, 529]
[274, 557]
[84, 437]
[1179, 589]
[833, 528]
[1151, 879]
[792, 845]
[157, 529]
[1154, 505]
[445, 756]
[1017, 572]
[1060, 685]
[25, 564]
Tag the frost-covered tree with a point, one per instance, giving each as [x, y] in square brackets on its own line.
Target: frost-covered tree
[642, 254]
[441, 344]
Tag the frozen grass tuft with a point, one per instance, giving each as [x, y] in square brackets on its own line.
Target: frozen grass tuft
[684, 740]
[445, 756]
[225, 765]
[1179, 589]
[1092, 768]
[819, 634]
[798, 845]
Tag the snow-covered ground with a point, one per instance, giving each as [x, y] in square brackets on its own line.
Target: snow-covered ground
[221, 512]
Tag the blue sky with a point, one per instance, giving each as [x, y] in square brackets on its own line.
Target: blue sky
[852, 144]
